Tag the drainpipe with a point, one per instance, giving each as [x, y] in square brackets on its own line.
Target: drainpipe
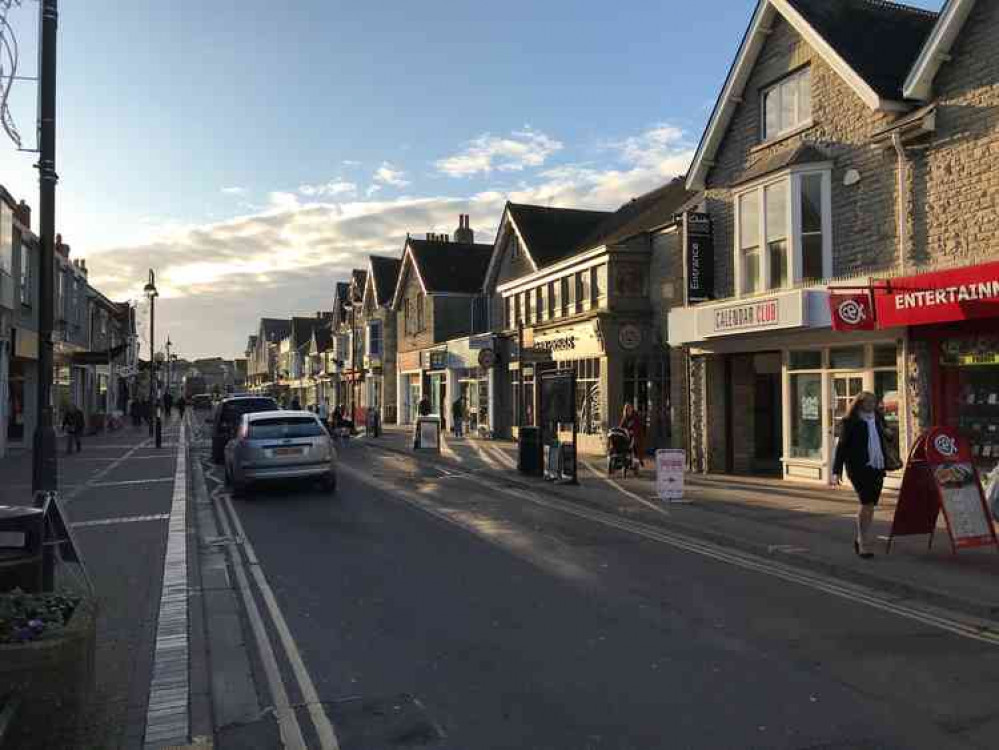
[905, 439]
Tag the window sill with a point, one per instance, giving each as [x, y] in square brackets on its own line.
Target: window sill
[782, 137]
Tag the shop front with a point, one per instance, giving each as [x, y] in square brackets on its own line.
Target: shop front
[953, 370]
[770, 383]
[410, 384]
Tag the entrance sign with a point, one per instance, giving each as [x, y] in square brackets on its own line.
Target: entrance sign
[699, 265]
[940, 297]
[851, 312]
[670, 464]
[940, 475]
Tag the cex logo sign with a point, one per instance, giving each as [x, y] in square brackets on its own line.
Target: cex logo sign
[851, 312]
[945, 445]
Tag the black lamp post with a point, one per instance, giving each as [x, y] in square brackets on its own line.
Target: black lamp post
[154, 416]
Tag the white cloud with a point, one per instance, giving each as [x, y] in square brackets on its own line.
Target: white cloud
[234, 190]
[351, 163]
[284, 257]
[329, 189]
[523, 148]
[389, 175]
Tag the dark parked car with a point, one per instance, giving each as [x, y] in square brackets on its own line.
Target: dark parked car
[228, 415]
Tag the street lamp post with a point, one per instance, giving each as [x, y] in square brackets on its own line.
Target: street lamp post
[169, 378]
[154, 416]
[44, 468]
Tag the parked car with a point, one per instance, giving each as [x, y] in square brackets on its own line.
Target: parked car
[201, 401]
[280, 445]
[226, 419]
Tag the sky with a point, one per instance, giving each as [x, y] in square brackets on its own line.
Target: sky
[254, 152]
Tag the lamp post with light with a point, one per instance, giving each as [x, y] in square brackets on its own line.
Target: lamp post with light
[154, 415]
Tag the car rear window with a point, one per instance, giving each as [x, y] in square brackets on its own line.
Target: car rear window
[285, 427]
[235, 409]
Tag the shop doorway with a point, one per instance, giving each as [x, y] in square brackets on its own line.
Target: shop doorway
[767, 424]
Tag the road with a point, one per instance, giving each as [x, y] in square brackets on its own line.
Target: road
[433, 608]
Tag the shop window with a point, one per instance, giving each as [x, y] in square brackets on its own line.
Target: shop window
[806, 416]
[555, 298]
[374, 339]
[805, 360]
[885, 355]
[812, 244]
[886, 390]
[846, 358]
[787, 104]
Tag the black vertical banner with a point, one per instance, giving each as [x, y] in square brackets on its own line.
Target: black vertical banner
[698, 256]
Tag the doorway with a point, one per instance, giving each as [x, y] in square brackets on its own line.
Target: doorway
[767, 424]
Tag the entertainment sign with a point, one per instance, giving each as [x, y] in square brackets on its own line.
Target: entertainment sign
[940, 297]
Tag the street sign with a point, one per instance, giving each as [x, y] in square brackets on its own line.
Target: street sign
[670, 465]
[428, 434]
[487, 358]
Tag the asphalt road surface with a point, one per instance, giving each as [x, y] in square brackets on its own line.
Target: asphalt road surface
[434, 609]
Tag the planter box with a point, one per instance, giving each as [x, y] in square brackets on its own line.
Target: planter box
[55, 680]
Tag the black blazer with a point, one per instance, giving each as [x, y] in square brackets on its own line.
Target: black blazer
[852, 447]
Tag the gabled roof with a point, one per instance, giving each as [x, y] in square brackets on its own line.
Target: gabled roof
[871, 45]
[445, 267]
[302, 329]
[919, 83]
[878, 40]
[642, 214]
[383, 274]
[553, 234]
[274, 329]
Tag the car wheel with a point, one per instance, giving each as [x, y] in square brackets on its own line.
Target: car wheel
[328, 482]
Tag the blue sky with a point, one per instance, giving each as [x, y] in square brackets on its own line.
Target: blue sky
[253, 152]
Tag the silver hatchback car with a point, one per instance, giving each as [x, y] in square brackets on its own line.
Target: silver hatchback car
[274, 445]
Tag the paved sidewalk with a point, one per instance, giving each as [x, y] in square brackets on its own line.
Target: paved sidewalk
[117, 493]
[799, 524]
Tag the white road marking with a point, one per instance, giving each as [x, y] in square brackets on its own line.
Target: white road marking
[120, 519]
[167, 720]
[965, 628]
[127, 482]
[623, 490]
[288, 726]
[327, 735]
[69, 496]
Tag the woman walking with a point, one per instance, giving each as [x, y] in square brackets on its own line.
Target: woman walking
[631, 421]
[862, 449]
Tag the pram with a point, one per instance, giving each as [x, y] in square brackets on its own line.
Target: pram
[621, 452]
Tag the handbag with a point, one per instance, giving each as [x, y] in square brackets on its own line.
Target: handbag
[893, 458]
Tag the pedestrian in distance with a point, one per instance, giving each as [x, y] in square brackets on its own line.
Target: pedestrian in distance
[73, 423]
[862, 449]
[423, 408]
[181, 406]
[631, 421]
[323, 411]
[457, 417]
[167, 404]
[296, 405]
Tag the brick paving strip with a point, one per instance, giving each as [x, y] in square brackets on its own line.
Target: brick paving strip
[167, 720]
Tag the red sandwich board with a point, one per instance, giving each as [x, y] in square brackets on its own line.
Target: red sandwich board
[940, 475]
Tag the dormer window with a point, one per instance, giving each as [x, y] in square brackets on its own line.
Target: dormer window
[787, 104]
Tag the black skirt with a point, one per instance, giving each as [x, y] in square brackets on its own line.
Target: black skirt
[868, 483]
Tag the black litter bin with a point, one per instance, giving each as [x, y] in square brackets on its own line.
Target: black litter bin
[21, 532]
[531, 453]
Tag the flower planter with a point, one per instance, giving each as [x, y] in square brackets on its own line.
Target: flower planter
[54, 679]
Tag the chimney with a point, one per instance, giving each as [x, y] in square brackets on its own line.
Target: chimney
[464, 233]
[24, 215]
[61, 248]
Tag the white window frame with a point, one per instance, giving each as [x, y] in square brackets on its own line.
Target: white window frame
[795, 260]
[780, 85]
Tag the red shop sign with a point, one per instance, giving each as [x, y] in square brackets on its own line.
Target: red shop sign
[851, 312]
[940, 297]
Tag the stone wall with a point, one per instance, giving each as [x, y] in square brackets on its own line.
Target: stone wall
[955, 181]
[863, 215]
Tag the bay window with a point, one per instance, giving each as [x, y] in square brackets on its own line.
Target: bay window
[783, 232]
[374, 338]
